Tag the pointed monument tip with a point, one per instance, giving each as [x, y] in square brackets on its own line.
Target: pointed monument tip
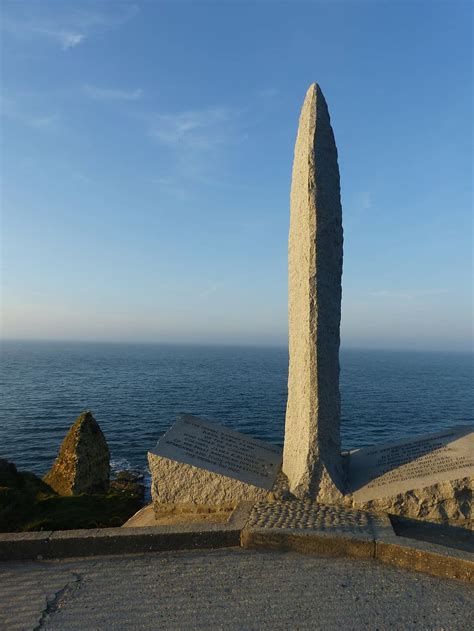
[314, 91]
[314, 87]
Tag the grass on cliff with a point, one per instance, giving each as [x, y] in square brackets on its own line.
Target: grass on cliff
[81, 511]
[27, 503]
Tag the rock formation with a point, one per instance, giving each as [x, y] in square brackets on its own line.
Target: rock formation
[83, 462]
[129, 482]
[312, 459]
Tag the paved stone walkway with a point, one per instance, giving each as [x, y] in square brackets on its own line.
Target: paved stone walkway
[226, 589]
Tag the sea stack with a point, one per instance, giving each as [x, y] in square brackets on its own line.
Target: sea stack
[83, 462]
[312, 450]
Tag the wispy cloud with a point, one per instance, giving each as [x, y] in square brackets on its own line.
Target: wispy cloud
[45, 29]
[36, 120]
[111, 94]
[196, 129]
[196, 138]
[64, 26]
[69, 39]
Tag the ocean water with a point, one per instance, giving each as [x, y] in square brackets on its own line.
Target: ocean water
[136, 391]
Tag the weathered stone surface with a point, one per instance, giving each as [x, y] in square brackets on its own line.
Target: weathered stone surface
[83, 462]
[203, 464]
[307, 515]
[428, 477]
[310, 527]
[448, 502]
[312, 460]
[179, 483]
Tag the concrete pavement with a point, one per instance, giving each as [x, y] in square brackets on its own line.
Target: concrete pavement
[227, 589]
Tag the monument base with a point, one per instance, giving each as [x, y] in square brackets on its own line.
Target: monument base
[445, 502]
[184, 485]
[429, 477]
[201, 464]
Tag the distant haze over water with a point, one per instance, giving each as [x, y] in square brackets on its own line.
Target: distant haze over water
[135, 392]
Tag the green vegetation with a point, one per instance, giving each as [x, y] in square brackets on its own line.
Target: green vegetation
[27, 503]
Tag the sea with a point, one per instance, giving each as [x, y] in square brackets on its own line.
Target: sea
[136, 391]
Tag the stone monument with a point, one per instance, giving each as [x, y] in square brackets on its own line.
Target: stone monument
[425, 477]
[198, 463]
[312, 450]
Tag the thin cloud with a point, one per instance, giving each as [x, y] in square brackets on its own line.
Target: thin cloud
[67, 28]
[68, 39]
[111, 94]
[34, 28]
[196, 129]
[41, 121]
[196, 140]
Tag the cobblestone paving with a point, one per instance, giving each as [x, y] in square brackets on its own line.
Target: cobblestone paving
[231, 589]
[308, 515]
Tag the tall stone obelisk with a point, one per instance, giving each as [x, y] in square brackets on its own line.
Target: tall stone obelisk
[312, 450]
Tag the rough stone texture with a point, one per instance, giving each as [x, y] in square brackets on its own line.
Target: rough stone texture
[83, 462]
[199, 464]
[280, 490]
[178, 483]
[312, 528]
[311, 458]
[447, 502]
[310, 516]
[406, 477]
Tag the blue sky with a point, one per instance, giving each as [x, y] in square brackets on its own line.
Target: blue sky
[147, 151]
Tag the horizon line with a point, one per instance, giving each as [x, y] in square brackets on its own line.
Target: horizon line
[343, 347]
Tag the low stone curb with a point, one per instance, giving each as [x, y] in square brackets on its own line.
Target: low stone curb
[104, 541]
[405, 553]
[320, 543]
[430, 558]
[380, 543]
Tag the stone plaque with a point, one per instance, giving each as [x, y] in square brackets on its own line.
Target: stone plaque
[220, 450]
[393, 468]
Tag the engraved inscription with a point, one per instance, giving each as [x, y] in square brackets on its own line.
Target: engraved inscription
[390, 469]
[220, 450]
